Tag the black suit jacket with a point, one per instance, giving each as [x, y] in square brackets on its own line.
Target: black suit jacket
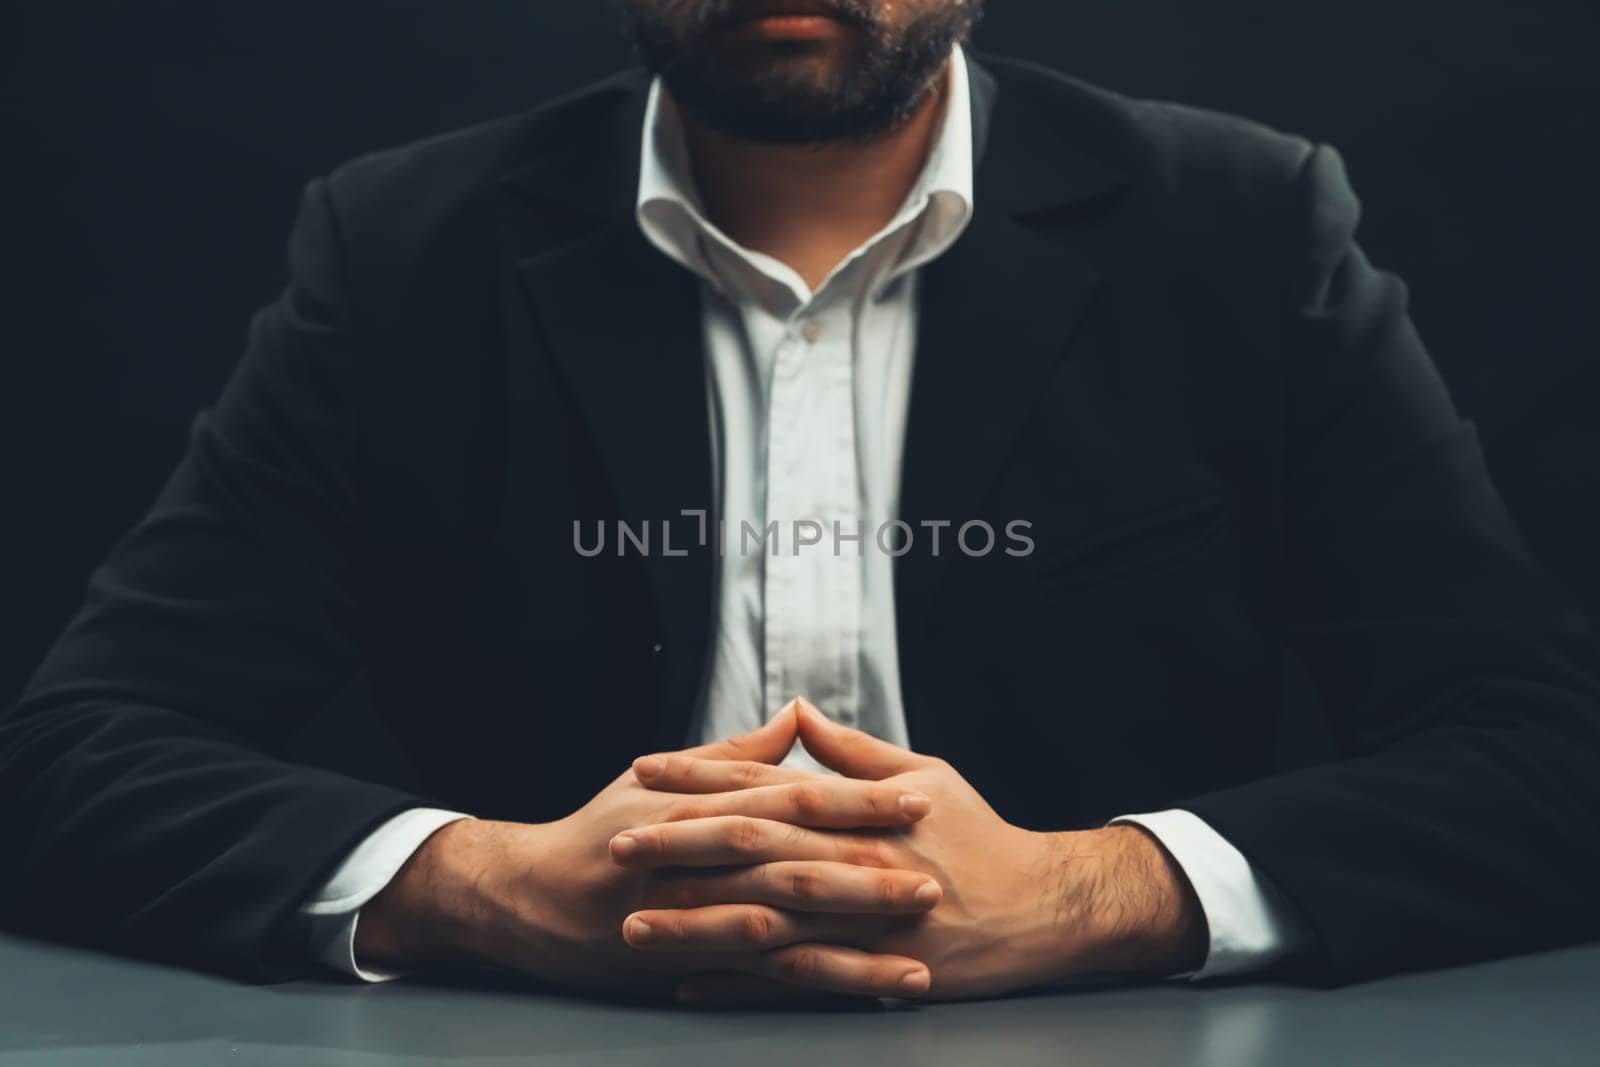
[1157, 342]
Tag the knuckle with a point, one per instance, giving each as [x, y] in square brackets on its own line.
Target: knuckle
[744, 836]
[803, 965]
[757, 927]
[689, 771]
[807, 798]
[889, 894]
[686, 811]
[806, 886]
[867, 852]
[746, 775]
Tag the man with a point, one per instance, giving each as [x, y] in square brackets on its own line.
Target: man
[1030, 432]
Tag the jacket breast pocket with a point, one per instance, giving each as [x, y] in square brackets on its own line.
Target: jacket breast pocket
[1148, 543]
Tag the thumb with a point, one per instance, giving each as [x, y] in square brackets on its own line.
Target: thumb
[852, 753]
[769, 743]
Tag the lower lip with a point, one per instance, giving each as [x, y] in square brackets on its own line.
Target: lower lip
[794, 27]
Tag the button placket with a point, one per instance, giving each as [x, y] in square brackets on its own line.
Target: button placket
[781, 578]
[844, 507]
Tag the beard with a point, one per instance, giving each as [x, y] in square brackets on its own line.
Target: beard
[793, 92]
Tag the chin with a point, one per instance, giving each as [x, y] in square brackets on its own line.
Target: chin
[779, 70]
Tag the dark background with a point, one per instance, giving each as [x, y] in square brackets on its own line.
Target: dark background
[153, 153]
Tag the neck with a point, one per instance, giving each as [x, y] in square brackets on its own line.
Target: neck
[810, 206]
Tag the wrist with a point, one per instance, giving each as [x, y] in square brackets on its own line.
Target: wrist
[426, 912]
[1162, 927]
[1130, 907]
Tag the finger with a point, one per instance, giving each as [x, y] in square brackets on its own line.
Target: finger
[769, 743]
[734, 990]
[736, 928]
[801, 886]
[826, 966]
[828, 803]
[681, 772]
[735, 840]
[850, 971]
[850, 752]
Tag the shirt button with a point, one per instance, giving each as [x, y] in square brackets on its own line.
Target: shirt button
[811, 331]
[656, 648]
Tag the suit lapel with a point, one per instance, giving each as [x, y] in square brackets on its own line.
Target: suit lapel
[623, 324]
[997, 311]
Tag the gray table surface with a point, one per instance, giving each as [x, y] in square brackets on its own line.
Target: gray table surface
[61, 1007]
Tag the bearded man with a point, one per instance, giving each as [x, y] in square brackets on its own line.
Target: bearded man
[825, 514]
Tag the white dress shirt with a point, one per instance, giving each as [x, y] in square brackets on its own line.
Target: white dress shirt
[808, 397]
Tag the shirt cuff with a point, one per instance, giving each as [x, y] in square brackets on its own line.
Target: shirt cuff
[1251, 924]
[332, 912]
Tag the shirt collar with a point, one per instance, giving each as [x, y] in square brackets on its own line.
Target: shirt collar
[670, 213]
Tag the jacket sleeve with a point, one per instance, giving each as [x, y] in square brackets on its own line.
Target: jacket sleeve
[142, 806]
[1462, 686]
